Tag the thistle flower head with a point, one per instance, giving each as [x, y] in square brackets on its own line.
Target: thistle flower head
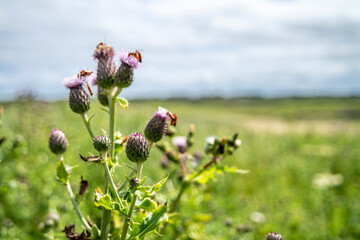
[93, 79]
[129, 60]
[74, 81]
[156, 127]
[161, 112]
[274, 236]
[106, 66]
[58, 142]
[103, 51]
[137, 148]
[102, 96]
[101, 143]
[180, 143]
[79, 100]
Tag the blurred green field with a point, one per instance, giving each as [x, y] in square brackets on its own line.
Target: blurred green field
[285, 144]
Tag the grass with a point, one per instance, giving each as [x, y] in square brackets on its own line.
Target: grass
[286, 142]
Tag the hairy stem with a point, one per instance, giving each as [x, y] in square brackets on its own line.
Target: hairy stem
[72, 198]
[132, 205]
[85, 119]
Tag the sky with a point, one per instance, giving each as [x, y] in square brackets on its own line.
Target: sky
[190, 48]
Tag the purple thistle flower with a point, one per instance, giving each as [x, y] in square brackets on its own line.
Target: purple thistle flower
[180, 143]
[130, 61]
[93, 79]
[74, 81]
[103, 51]
[106, 66]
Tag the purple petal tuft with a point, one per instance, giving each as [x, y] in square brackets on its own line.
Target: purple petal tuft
[129, 60]
[74, 81]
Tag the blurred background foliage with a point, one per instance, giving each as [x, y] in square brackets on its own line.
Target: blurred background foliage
[303, 157]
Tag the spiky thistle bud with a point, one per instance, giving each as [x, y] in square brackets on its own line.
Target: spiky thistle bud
[102, 96]
[134, 182]
[274, 236]
[58, 142]
[79, 100]
[137, 148]
[125, 74]
[101, 143]
[156, 127]
[106, 66]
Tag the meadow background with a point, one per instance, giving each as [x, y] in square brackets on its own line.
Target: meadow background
[285, 143]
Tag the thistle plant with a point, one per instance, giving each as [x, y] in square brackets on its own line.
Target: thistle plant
[132, 206]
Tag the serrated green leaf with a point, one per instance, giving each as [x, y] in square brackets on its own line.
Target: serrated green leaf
[147, 191]
[233, 170]
[123, 102]
[150, 223]
[147, 204]
[61, 172]
[208, 174]
[118, 208]
[104, 202]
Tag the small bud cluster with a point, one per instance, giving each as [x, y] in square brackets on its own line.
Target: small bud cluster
[58, 142]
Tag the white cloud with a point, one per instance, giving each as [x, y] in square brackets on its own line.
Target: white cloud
[187, 44]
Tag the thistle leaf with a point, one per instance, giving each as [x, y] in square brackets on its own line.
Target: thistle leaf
[150, 223]
[61, 172]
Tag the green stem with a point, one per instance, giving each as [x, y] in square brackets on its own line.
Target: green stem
[106, 216]
[76, 207]
[132, 205]
[173, 206]
[87, 124]
[72, 198]
[106, 213]
[112, 124]
[107, 171]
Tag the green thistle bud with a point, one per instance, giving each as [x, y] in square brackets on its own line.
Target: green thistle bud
[274, 236]
[79, 100]
[106, 66]
[137, 148]
[134, 183]
[57, 141]
[102, 96]
[101, 143]
[124, 76]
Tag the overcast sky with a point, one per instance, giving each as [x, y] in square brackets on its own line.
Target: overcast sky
[190, 47]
